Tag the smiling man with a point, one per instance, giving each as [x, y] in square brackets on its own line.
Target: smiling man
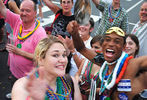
[27, 32]
[140, 29]
[120, 77]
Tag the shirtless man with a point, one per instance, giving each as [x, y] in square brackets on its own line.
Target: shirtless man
[131, 82]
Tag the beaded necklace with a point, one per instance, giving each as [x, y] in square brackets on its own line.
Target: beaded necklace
[109, 82]
[5, 1]
[113, 17]
[63, 91]
[21, 39]
[88, 76]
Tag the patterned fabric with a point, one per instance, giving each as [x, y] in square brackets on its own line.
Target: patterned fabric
[120, 21]
[140, 30]
[59, 26]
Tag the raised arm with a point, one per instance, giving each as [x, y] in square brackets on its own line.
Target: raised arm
[137, 65]
[72, 28]
[51, 6]
[3, 9]
[142, 62]
[96, 2]
[13, 7]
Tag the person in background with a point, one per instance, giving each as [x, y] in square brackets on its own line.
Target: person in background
[64, 16]
[120, 76]
[96, 43]
[27, 32]
[40, 5]
[89, 70]
[49, 81]
[85, 32]
[2, 43]
[132, 45]
[112, 15]
[140, 29]
[14, 5]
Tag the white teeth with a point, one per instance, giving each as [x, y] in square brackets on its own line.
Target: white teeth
[110, 50]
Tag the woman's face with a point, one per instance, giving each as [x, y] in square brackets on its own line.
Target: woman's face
[55, 61]
[130, 47]
[96, 47]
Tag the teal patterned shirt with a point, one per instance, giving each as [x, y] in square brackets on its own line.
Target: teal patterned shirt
[120, 18]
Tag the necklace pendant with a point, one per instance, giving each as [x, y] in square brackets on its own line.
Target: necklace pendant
[110, 20]
[19, 46]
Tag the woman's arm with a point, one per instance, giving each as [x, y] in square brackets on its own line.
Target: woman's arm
[77, 93]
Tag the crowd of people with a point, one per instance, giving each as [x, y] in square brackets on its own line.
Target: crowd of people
[109, 66]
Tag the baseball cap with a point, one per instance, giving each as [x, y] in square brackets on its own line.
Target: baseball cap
[117, 30]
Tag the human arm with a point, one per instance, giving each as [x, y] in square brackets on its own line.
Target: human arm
[13, 7]
[13, 49]
[69, 43]
[142, 60]
[77, 93]
[3, 9]
[72, 28]
[137, 66]
[77, 76]
[51, 6]
[19, 88]
[96, 2]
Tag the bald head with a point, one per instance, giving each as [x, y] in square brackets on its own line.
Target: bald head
[30, 2]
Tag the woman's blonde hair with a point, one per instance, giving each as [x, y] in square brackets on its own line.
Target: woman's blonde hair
[43, 46]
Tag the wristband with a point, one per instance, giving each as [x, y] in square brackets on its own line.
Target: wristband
[73, 53]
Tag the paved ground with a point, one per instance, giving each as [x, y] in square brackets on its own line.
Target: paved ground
[4, 73]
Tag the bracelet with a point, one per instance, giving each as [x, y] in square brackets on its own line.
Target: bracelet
[73, 53]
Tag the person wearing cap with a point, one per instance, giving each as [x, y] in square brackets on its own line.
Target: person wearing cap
[121, 77]
[140, 29]
[112, 15]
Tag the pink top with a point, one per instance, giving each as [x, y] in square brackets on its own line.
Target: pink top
[19, 65]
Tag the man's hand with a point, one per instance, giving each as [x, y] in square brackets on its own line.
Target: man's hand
[72, 27]
[13, 49]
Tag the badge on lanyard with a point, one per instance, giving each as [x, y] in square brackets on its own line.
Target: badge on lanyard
[123, 96]
[124, 85]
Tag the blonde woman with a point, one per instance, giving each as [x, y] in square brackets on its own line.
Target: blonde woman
[49, 81]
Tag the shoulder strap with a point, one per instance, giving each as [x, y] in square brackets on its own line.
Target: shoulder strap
[70, 82]
[55, 19]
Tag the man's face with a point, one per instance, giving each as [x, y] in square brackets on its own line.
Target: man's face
[112, 47]
[116, 1]
[27, 12]
[66, 5]
[143, 12]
